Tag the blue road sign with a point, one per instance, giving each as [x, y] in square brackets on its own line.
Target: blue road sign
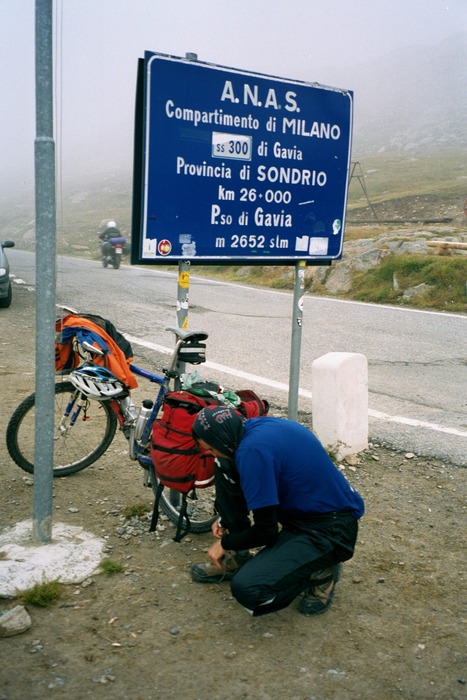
[241, 166]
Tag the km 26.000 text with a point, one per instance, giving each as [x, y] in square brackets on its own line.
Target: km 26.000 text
[276, 196]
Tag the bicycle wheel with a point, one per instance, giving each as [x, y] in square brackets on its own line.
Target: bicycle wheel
[200, 503]
[75, 446]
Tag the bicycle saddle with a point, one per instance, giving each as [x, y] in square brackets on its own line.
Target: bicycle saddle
[188, 335]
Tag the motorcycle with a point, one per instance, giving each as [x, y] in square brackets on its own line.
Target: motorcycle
[112, 251]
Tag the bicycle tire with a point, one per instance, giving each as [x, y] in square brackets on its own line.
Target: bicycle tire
[200, 505]
[75, 449]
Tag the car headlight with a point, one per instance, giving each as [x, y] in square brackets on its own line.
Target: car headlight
[2, 271]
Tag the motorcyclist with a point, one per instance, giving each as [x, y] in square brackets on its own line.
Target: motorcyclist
[109, 234]
[108, 229]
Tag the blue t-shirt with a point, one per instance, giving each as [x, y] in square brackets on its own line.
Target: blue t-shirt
[281, 463]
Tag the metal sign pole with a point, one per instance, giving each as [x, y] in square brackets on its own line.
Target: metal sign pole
[45, 275]
[182, 293]
[297, 317]
[183, 281]
[182, 305]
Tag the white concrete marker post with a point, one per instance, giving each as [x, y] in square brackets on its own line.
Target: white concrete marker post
[340, 402]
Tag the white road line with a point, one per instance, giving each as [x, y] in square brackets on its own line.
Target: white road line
[220, 368]
[304, 393]
[17, 280]
[416, 423]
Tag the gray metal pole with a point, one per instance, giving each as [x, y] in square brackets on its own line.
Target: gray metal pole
[183, 278]
[45, 275]
[297, 318]
[182, 293]
[182, 304]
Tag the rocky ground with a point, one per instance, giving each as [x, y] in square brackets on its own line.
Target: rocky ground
[399, 226]
[395, 629]
[366, 253]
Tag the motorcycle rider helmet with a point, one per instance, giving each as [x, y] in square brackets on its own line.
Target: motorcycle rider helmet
[112, 231]
[108, 229]
[97, 382]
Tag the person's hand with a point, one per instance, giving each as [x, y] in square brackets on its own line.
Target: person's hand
[216, 554]
[217, 530]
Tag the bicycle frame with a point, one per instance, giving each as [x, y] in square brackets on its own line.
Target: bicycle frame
[77, 446]
[138, 449]
[76, 404]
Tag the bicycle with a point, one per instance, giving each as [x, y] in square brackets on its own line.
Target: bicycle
[84, 428]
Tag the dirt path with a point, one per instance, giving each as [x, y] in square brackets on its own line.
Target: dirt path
[394, 630]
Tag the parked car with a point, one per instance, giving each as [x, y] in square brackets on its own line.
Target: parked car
[5, 283]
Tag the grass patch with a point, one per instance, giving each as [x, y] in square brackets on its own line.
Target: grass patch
[110, 567]
[41, 594]
[135, 510]
[387, 283]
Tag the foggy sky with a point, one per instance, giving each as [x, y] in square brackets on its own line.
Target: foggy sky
[98, 42]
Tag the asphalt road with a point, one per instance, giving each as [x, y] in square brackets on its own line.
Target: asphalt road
[416, 360]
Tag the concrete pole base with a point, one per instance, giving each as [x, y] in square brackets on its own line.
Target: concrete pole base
[71, 557]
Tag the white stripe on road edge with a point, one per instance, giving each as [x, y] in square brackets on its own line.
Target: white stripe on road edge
[221, 368]
[416, 423]
[302, 392]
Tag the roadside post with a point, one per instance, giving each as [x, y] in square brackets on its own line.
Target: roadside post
[235, 167]
[45, 284]
[297, 321]
[183, 287]
[183, 283]
[73, 554]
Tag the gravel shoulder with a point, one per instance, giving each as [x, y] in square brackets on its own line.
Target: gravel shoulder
[395, 629]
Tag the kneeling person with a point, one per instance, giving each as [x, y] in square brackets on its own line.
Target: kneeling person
[304, 512]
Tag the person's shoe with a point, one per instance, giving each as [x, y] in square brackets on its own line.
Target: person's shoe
[319, 592]
[208, 573]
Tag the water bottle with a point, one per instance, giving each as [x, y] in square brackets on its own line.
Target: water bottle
[144, 413]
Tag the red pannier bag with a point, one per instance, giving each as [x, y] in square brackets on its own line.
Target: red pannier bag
[176, 458]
